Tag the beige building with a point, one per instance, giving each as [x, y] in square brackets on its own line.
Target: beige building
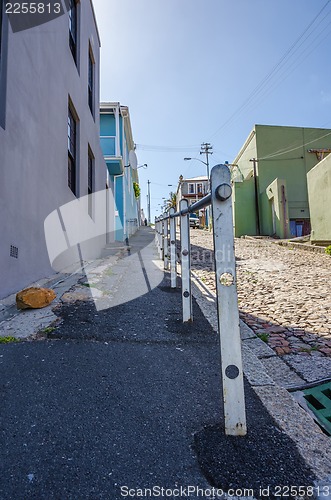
[192, 190]
[319, 194]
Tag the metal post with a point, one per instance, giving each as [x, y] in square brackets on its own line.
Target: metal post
[227, 302]
[161, 238]
[186, 263]
[165, 242]
[159, 232]
[149, 202]
[173, 249]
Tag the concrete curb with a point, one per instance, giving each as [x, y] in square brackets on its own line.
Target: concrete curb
[300, 246]
[269, 376]
[287, 243]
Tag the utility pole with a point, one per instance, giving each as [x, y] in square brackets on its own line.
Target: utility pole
[149, 202]
[257, 210]
[206, 148]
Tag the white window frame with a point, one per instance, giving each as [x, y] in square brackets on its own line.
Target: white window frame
[194, 188]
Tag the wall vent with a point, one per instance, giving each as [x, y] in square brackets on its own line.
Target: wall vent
[14, 251]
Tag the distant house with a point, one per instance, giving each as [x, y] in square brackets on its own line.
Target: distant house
[49, 144]
[319, 193]
[192, 190]
[270, 192]
[118, 150]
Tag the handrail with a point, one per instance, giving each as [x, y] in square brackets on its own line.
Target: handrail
[220, 198]
[204, 202]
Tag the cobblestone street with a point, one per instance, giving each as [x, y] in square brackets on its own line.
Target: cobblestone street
[283, 292]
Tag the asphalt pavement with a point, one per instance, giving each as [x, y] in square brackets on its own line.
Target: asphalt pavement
[123, 400]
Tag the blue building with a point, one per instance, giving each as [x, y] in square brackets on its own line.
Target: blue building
[118, 150]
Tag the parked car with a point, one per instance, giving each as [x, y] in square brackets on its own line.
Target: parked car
[194, 221]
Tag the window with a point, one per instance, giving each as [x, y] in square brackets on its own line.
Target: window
[199, 188]
[90, 181]
[91, 81]
[1, 11]
[3, 62]
[72, 153]
[73, 29]
[191, 188]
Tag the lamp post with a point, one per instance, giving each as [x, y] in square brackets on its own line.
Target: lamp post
[204, 162]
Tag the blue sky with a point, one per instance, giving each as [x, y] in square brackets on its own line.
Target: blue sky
[184, 67]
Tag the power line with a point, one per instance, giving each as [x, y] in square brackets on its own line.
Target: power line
[265, 86]
[166, 149]
[285, 74]
[283, 60]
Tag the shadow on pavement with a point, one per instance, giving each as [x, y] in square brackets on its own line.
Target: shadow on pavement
[129, 396]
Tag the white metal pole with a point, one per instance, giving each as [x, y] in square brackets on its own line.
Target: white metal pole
[165, 241]
[173, 267]
[149, 202]
[157, 232]
[186, 264]
[160, 236]
[227, 302]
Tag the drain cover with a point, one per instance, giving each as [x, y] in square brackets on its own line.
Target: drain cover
[319, 402]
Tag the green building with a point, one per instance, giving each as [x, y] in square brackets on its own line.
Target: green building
[270, 180]
[319, 192]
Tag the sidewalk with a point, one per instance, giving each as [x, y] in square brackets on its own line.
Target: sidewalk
[121, 394]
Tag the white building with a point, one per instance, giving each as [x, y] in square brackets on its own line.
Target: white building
[193, 189]
[50, 152]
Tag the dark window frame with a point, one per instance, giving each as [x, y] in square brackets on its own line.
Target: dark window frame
[72, 149]
[3, 63]
[1, 28]
[73, 29]
[90, 180]
[91, 80]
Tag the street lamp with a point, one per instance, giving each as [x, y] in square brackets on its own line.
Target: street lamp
[140, 166]
[204, 162]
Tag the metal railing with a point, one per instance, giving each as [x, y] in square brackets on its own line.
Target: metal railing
[220, 199]
[131, 226]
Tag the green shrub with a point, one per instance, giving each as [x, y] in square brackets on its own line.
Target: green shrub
[328, 250]
[136, 189]
[8, 340]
